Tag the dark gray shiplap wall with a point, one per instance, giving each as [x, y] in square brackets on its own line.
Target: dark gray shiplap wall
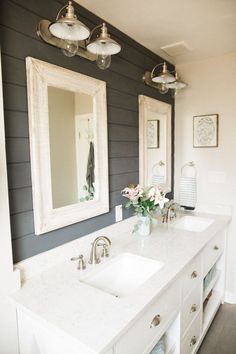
[19, 19]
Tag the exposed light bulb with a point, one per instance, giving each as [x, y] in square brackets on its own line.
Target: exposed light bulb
[71, 48]
[103, 61]
[163, 88]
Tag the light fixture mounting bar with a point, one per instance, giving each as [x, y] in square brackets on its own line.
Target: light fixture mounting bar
[44, 33]
[147, 78]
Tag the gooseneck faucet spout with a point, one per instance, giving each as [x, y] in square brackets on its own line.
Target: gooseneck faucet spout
[99, 241]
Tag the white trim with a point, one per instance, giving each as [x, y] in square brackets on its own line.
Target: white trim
[230, 297]
[41, 75]
[9, 279]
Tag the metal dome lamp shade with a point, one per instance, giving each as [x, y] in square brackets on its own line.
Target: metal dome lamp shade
[103, 47]
[176, 86]
[68, 28]
[164, 77]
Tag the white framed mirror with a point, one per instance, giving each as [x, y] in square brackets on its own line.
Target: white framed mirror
[68, 145]
[154, 142]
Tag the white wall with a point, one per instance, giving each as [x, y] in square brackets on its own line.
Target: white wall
[212, 89]
[61, 108]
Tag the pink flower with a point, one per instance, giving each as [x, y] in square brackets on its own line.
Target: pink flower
[133, 193]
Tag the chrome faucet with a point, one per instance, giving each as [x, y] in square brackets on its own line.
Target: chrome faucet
[94, 258]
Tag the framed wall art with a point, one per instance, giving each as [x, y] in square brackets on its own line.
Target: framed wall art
[205, 130]
[153, 127]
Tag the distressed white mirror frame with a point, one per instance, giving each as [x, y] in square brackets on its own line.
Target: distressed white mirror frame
[146, 105]
[40, 75]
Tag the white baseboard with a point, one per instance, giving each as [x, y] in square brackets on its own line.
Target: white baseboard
[230, 297]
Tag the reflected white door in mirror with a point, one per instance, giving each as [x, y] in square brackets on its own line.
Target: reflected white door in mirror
[68, 145]
[154, 143]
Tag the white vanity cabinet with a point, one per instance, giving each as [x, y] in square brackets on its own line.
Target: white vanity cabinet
[180, 315]
[148, 329]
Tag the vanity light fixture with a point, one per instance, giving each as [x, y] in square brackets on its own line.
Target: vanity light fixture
[164, 80]
[163, 77]
[103, 47]
[74, 38]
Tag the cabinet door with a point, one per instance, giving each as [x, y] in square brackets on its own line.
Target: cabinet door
[36, 338]
[145, 333]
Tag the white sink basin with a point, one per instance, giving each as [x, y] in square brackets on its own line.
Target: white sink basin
[123, 274]
[193, 223]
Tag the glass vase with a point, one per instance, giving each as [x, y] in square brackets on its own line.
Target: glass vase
[143, 225]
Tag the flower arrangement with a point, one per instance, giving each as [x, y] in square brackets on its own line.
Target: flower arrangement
[145, 201]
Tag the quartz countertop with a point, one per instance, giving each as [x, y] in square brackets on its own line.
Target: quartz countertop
[95, 318]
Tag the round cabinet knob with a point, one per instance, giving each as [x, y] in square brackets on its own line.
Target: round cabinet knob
[156, 321]
[193, 308]
[194, 274]
[193, 341]
[216, 248]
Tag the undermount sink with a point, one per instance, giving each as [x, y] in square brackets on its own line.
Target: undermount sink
[123, 274]
[193, 223]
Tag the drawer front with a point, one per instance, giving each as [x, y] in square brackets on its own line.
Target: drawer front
[150, 326]
[191, 338]
[212, 252]
[191, 307]
[192, 276]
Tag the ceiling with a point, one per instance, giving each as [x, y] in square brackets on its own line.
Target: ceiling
[208, 27]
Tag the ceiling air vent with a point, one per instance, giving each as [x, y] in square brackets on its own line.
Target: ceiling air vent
[175, 49]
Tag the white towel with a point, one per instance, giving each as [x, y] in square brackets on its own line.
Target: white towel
[157, 180]
[188, 191]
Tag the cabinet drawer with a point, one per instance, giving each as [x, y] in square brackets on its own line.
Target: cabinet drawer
[147, 329]
[191, 338]
[192, 276]
[212, 252]
[191, 307]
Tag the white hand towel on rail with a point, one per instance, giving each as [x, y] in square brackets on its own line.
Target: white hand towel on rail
[188, 191]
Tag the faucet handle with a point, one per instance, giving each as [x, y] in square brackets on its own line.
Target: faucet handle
[105, 250]
[81, 263]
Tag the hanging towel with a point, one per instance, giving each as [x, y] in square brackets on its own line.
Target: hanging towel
[90, 178]
[158, 172]
[188, 187]
[158, 180]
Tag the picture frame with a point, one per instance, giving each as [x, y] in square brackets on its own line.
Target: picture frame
[153, 132]
[205, 130]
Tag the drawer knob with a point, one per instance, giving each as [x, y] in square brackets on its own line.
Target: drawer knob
[193, 308]
[156, 321]
[216, 248]
[193, 341]
[194, 274]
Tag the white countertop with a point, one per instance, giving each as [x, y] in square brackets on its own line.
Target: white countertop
[95, 318]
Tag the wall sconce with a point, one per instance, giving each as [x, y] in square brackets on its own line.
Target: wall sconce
[103, 47]
[74, 38]
[164, 80]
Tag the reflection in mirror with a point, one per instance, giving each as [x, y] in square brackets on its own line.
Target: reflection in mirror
[68, 145]
[154, 142]
[71, 132]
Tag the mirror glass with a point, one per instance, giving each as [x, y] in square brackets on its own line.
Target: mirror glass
[68, 144]
[71, 131]
[154, 142]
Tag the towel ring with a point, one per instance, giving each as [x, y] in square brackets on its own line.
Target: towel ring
[160, 164]
[190, 164]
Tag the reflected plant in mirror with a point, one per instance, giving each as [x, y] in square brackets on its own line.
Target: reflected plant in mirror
[68, 143]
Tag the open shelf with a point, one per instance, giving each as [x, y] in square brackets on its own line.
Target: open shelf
[211, 309]
[211, 285]
[170, 348]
